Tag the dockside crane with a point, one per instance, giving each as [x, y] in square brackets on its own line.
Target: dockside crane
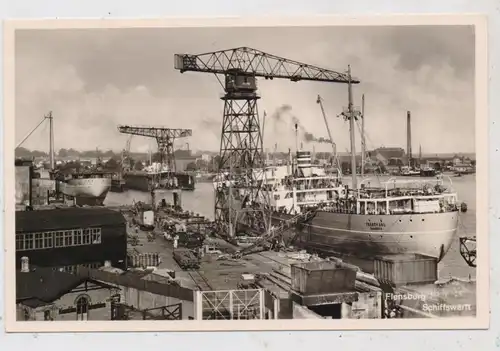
[335, 159]
[49, 118]
[241, 148]
[165, 138]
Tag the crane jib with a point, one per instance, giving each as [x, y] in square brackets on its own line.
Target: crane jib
[252, 62]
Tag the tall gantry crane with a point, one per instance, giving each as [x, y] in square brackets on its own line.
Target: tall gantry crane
[165, 138]
[241, 162]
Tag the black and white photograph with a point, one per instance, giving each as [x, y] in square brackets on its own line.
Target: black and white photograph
[245, 172]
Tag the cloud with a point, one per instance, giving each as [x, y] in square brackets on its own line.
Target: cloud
[94, 80]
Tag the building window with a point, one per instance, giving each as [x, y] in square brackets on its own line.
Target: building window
[86, 237]
[47, 315]
[20, 242]
[77, 237]
[47, 240]
[96, 235]
[59, 239]
[71, 269]
[82, 308]
[38, 240]
[68, 238]
[28, 241]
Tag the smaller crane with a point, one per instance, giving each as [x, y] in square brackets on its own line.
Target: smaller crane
[51, 137]
[164, 137]
[335, 161]
[125, 162]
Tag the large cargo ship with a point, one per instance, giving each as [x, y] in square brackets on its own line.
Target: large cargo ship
[146, 180]
[411, 216]
[395, 217]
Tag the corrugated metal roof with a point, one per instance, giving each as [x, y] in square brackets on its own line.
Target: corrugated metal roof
[66, 218]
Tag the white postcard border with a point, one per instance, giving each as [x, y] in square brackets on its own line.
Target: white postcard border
[481, 321]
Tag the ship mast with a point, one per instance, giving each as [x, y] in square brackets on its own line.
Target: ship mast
[51, 141]
[350, 116]
[296, 138]
[363, 143]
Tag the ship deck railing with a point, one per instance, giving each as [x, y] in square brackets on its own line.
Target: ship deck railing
[322, 177]
[391, 212]
[407, 197]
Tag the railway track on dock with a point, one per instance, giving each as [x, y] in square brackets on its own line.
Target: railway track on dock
[200, 280]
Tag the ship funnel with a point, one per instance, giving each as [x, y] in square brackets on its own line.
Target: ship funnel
[304, 162]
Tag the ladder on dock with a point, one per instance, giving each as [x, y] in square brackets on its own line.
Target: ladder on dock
[200, 280]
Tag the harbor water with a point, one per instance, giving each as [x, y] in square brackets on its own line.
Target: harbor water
[201, 201]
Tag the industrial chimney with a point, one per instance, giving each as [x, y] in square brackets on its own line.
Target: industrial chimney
[25, 264]
[408, 137]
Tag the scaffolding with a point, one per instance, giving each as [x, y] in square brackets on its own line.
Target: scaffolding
[229, 304]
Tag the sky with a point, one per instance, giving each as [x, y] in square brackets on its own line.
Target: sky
[96, 79]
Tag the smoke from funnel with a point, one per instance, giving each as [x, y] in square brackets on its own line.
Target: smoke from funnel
[284, 114]
[310, 138]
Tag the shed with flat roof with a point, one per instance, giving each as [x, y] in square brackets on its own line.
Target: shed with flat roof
[68, 237]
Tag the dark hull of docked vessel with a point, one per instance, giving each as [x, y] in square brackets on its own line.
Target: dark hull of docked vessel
[428, 173]
[365, 237]
[117, 186]
[87, 200]
[144, 181]
[369, 236]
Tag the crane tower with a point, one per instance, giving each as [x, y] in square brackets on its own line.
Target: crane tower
[239, 198]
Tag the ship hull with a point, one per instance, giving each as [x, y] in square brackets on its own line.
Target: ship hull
[87, 191]
[428, 173]
[144, 181]
[369, 236]
[428, 234]
[117, 186]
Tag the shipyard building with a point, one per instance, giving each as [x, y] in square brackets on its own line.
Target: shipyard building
[70, 237]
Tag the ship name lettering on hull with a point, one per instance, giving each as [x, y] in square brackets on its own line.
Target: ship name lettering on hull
[375, 225]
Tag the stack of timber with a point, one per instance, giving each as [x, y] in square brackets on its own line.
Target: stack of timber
[186, 259]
